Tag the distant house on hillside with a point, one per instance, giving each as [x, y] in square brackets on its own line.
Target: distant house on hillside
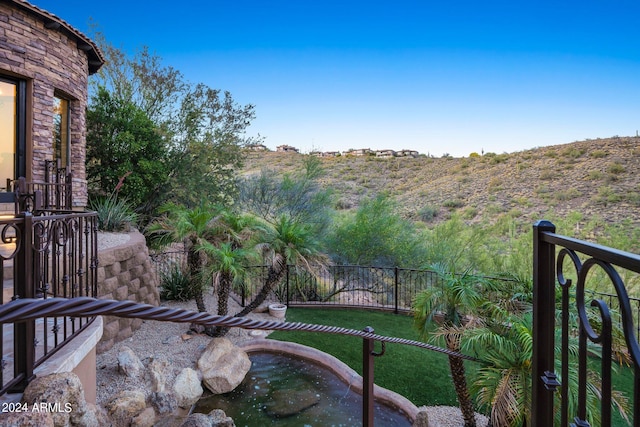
[407, 153]
[325, 153]
[385, 153]
[257, 147]
[287, 149]
[358, 152]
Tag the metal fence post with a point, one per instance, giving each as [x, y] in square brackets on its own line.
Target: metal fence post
[543, 325]
[367, 379]
[395, 309]
[24, 332]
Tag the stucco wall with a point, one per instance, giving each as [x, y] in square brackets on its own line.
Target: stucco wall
[49, 61]
[125, 272]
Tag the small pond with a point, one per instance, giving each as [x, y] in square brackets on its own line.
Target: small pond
[284, 391]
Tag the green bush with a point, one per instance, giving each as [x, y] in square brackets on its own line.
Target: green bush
[114, 214]
[598, 154]
[427, 213]
[615, 168]
[453, 204]
[175, 285]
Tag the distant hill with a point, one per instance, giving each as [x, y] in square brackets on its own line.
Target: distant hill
[597, 177]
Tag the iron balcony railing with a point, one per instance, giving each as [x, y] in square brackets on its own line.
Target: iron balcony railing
[563, 269]
[45, 256]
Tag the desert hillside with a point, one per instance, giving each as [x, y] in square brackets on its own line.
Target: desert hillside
[597, 177]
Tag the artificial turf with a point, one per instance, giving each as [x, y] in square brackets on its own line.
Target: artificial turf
[420, 375]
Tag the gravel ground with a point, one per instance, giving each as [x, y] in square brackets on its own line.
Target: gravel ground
[182, 349]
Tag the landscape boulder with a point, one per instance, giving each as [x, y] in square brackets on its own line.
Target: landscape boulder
[158, 372]
[215, 418]
[128, 363]
[63, 396]
[125, 406]
[223, 366]
[187, 388]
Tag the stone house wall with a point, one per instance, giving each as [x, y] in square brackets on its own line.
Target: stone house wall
[125, 272]
[52, 58]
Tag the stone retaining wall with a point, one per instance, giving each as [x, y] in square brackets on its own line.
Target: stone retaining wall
[125, 272]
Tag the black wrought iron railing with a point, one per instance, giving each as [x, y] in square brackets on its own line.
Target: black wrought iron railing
[563, 269]
[45, 256]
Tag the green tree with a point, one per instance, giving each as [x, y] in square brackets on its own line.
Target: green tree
[298, 196]
[376, 235]
[203, 128]
[286, 242]
[122, 140]
[452, 301]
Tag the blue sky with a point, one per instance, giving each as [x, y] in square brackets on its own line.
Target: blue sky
[438, 77]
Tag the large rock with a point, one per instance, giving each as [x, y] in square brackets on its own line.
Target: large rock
[146, 418]
[187, 388]
[163, 402]
[26, 419]
[158, 372]
[62, 395]
[223, 366]
[128, 363]
[215, 418]
[125, 406]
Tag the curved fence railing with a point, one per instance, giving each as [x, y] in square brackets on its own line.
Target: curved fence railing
[45, 256]
[23, 310]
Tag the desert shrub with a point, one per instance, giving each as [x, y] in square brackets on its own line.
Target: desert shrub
[427, 213]
[114, 214]
[595, 175]
[469, 213]
[175, 285]
[606, 196]
[474, 155]
[453, 204]
[551, 153]
[547, 174]
[495, 184]
[568, 194]
[572, 152]
[598, 154]
[500, 158]
[615, 168]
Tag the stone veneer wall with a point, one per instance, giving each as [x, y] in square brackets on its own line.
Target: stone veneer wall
[51, 62]
[125, 272]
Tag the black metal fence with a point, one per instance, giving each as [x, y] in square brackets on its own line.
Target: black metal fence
[590, 319]
[387, 288]
[43, 256]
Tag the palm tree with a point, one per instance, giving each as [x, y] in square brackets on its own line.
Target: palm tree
[195, 228]
[229, 258]
[228, 264]
[454, 300]
[503, 384]
[286, 242]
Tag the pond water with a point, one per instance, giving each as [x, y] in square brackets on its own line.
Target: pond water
[284, 391]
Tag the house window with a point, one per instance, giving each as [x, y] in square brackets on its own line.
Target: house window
[12, 135]
[61, 131]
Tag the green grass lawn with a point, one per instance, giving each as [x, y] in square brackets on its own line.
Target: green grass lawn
[420, 375]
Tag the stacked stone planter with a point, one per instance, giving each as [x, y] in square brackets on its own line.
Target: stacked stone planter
[125, 272]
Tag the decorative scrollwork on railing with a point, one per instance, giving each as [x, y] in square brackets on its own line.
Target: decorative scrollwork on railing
[10, 235]
[626, 313]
